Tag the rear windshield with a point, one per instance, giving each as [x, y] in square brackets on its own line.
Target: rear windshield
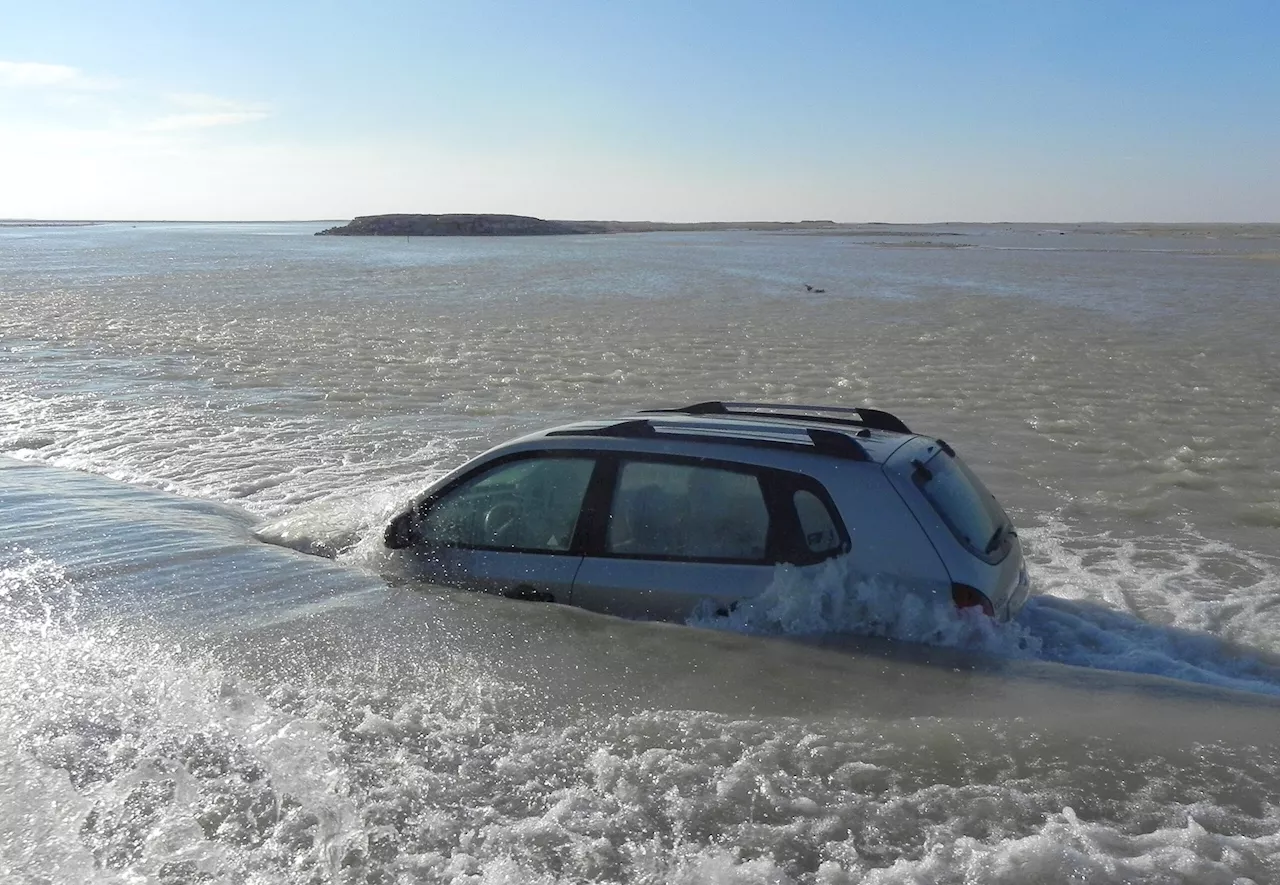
[969, 510]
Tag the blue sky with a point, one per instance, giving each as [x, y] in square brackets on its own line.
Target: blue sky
[682, 111]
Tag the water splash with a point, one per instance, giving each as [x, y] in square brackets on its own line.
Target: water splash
[36, 594]
[1076, 631]
[837, 599]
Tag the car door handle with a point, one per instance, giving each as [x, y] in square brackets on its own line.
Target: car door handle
[528, 593]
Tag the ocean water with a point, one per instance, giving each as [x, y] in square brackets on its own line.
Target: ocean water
[183, 702]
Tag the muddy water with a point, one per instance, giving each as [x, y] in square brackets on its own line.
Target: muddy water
[181, 702]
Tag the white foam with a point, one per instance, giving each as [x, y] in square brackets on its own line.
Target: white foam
[1067, 849]
[143, 760]
[36, 596]
[1193, 609]
[1073, 628]
[125, 755]
[838, 600]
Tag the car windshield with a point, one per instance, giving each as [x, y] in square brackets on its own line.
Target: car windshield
[969, 510]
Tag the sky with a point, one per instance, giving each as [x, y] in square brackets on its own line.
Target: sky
[665, 110]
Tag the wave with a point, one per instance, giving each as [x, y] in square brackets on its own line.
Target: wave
[320, 750]
[1077, 632]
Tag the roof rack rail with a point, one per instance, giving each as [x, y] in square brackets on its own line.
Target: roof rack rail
[876, 419]
[841, 445]
[633, 428]
[828, 442]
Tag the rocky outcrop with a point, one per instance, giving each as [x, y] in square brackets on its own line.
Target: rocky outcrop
[452, 226]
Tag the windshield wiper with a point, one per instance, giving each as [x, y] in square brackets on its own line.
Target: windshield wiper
[996, 538]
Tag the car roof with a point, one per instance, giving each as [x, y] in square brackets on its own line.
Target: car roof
[852, 434]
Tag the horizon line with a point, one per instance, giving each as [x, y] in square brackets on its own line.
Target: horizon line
[70, 221]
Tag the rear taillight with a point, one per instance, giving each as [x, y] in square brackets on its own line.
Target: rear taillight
[965, 596]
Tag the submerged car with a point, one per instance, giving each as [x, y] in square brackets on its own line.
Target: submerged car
[654, 514]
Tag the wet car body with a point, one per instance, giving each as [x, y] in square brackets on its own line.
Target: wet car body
[654, 514]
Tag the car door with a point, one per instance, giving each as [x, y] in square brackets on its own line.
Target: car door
[678, 533]
[507, 528]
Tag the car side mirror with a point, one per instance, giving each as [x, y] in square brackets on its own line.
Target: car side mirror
[399, 533]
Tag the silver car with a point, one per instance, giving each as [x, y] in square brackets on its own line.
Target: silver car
[655, 514]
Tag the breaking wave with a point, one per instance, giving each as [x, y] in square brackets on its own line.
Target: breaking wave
[1079, 632]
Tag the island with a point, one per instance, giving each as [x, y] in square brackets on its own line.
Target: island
[482, 225]
[451, 226]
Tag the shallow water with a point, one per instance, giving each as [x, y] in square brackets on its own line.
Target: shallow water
[181, 702]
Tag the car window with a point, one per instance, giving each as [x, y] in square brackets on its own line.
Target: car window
[965, 505]
[817, 526]
[687, 511]
[530, 504]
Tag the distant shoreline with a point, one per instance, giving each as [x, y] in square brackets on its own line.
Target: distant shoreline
[483, 224]
[85, 222]
[4, 223]
[473, 225]
[905, 230]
